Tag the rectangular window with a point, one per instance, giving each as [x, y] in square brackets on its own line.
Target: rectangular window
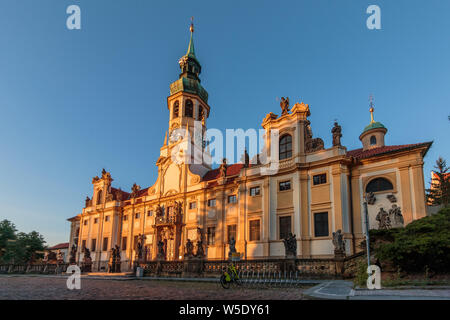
[254, 230]
[106, 218]
[321, 224]
[255, 191]
[211, 202]
[105, 244]
[192, 205]
[231, 232]
[285, 185]
[232, 199]
[83, 244]
[137, 215]
[320, 179]
[95, 220]
[124, 243]
[85, 222]
[93, 244]
[125, 217]
[211, 235]
[285, 227]
[149, 213]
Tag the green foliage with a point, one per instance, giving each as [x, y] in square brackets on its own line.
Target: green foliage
[19, 247]
[439, 192]
[423, 245]
[361, 274]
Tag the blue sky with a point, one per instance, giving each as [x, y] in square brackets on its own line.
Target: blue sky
[74, 102]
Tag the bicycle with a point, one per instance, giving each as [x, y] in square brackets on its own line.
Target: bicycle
[230, 276]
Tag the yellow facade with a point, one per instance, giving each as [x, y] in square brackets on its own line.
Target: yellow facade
[327, 189]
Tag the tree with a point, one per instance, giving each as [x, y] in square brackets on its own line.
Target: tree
[439, 192]
[7, 232]
[19, 247]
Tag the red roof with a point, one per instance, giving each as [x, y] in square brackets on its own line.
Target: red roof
[360, 154]
[125, 195]
[232, 170]
[64, 245]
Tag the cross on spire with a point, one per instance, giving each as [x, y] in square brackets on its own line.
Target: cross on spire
[371, 110]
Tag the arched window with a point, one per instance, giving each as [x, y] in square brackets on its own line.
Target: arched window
[379, 184]
[285, 147]
[189, 109]
[99, 196]
[176, 108]
[373, 140]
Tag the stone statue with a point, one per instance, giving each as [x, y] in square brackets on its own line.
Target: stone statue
[391, 198]
[336, 131]
[189, 248]
[117, 251]
[87, 202]
[311, 144]
[135, 190]
[370, 197]
[232, 244]
[112, 261]
[246, 159]
[395, 215]
[178, 208]
[140, 246]
[158, 211]
[87, 253]
[60, 256]
[338, 242]
[161, 253]
[223, 168]
[384, 222]
[73, 252]
[308, 130]
[290, 245]
[284, 104]
[118, 195]
[45, 257]
[200, 253]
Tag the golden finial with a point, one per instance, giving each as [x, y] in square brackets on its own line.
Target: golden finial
[371, 110]
[192, 24]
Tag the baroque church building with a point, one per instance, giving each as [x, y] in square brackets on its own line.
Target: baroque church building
[315, 191]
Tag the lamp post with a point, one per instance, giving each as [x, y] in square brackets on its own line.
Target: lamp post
[366, 215]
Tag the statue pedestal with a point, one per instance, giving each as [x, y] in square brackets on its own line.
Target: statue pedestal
[288, 265]
[86, 266]
[192, 266]
[339, 257]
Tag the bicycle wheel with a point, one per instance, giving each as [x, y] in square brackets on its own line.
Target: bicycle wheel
[223, 281]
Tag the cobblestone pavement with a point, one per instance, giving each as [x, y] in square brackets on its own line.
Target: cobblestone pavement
[54, 288]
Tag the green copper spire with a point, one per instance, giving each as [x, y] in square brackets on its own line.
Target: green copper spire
[189, 80]
[191, 51]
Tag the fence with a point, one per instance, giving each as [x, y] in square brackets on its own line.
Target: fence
[267, 269]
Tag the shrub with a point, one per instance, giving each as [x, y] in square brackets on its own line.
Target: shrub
[423, 244]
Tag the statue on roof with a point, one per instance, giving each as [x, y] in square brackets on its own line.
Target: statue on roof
[284, 104]
[336, 131]
[223, 168]
[135, 190]
[87, 202]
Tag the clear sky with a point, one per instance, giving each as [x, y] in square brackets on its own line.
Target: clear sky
[75, 101]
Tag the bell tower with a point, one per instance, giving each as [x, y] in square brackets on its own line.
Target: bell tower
[188, 100]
